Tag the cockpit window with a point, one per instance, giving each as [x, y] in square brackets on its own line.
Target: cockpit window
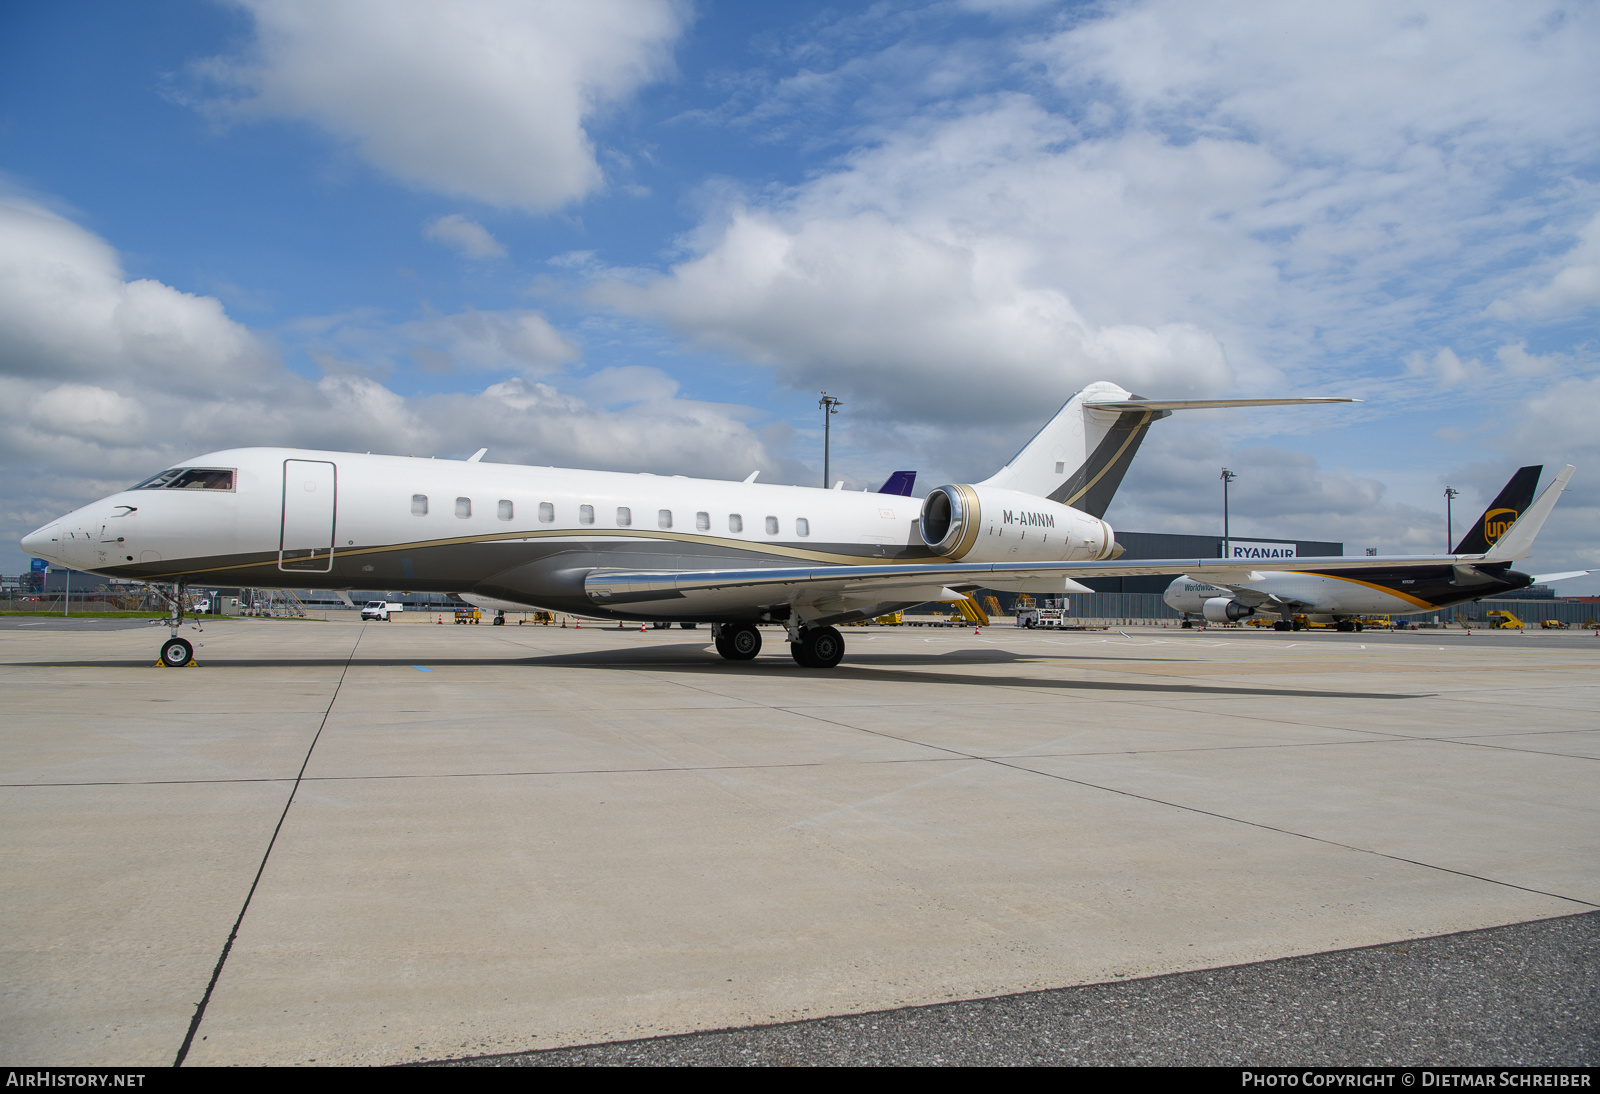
[190, 478]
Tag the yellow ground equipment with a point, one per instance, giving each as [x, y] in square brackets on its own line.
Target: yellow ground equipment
[468, 615]
[971, 612]
[1507, 621]
[1553, 625]
[992, 606]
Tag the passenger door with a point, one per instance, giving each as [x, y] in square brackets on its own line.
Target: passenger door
[308, 516]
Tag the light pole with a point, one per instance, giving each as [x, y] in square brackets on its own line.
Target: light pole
[1227, 477]
[1450, 495]
[830, 406]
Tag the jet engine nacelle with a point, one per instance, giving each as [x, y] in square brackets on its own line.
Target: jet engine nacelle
[988, 524]
[1225, 609]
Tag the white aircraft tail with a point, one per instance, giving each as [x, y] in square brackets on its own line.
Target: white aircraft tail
[1081, 454]
[1517, 541]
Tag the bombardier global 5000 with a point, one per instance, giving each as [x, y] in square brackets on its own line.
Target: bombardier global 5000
[647, 548]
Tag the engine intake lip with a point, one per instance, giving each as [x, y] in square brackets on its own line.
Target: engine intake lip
[950, 519]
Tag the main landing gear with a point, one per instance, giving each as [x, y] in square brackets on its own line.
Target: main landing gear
[811, 647]
[737, 641]
[818, 648]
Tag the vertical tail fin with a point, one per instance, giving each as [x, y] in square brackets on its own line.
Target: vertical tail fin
[1512, 501]
[901, 482]
[1517, 541]
[1081, 455]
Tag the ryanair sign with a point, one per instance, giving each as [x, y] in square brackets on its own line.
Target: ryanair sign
[1260, 550]
[1030, 520]
[1496, 521]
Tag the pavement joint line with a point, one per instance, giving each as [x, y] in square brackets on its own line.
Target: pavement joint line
[1304, 835]
[1002, 762]
[227, 947]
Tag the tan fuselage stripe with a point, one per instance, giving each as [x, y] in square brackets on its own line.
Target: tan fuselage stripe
[774, 550]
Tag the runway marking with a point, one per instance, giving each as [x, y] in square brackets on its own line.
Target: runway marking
[421, 668]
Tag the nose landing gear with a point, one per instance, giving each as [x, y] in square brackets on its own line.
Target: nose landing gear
[176, 653]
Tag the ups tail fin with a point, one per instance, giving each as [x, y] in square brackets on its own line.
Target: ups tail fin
[1081, 455]
[1517, 541]
[1502, 513]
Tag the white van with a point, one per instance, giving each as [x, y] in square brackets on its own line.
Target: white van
[381, 609]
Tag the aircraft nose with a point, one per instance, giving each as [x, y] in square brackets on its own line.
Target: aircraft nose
[42, 542]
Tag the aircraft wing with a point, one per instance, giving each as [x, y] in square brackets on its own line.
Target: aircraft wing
[827, 586]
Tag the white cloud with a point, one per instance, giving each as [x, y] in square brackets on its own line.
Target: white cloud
[516, 340]
[1221, 196]
[105, 381]
[1572, 287]
[485, 99]
[465, 237]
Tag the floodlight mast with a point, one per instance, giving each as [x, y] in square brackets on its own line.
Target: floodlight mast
[830, 406]
[1450, 495]
[1227, 477]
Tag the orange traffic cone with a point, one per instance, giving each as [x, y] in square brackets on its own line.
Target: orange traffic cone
[641, 628]
[563, 622]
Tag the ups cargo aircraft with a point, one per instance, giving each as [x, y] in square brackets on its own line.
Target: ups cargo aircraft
[640, 547]
[1499, 537]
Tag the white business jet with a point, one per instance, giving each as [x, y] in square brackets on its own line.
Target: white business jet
[642, 547]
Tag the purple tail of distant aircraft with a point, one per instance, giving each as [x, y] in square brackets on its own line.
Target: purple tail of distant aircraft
[900, 483]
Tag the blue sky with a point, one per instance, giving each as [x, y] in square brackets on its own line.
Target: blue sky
[644, 235]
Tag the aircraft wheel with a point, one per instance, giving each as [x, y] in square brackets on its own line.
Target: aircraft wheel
[499, 620]
[740, 642]
[818, 648]
[1280, 625]
[1187, 624]
[688, 626]
[176, 653]
[1358, 626]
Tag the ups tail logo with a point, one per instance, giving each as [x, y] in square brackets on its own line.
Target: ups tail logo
[1496, 521]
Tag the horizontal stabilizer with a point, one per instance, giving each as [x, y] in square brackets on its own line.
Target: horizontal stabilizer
[1517, 541]
[1545, 579]
[1203, 404]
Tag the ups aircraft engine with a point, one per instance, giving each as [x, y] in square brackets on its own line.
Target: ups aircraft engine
[988, 524]
[1225, 609]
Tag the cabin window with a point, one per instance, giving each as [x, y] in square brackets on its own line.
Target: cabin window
[664, 518]
[506, 509]
[463, 507]
[702, 522]
[547, 513]
[419, 505]
[585, 514]
[735, 522]
[624, 516]
[772, 526]
[802, 527]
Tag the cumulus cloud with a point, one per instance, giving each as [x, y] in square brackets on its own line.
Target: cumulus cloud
[485, 99]
[465, 237]
[518, 340]
[105, 381]
[1212, 197]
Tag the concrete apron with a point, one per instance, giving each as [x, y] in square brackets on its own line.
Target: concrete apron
[509, 838]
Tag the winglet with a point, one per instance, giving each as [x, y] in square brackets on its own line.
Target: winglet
[1517, 541]
[752, 476]
[478, 455]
